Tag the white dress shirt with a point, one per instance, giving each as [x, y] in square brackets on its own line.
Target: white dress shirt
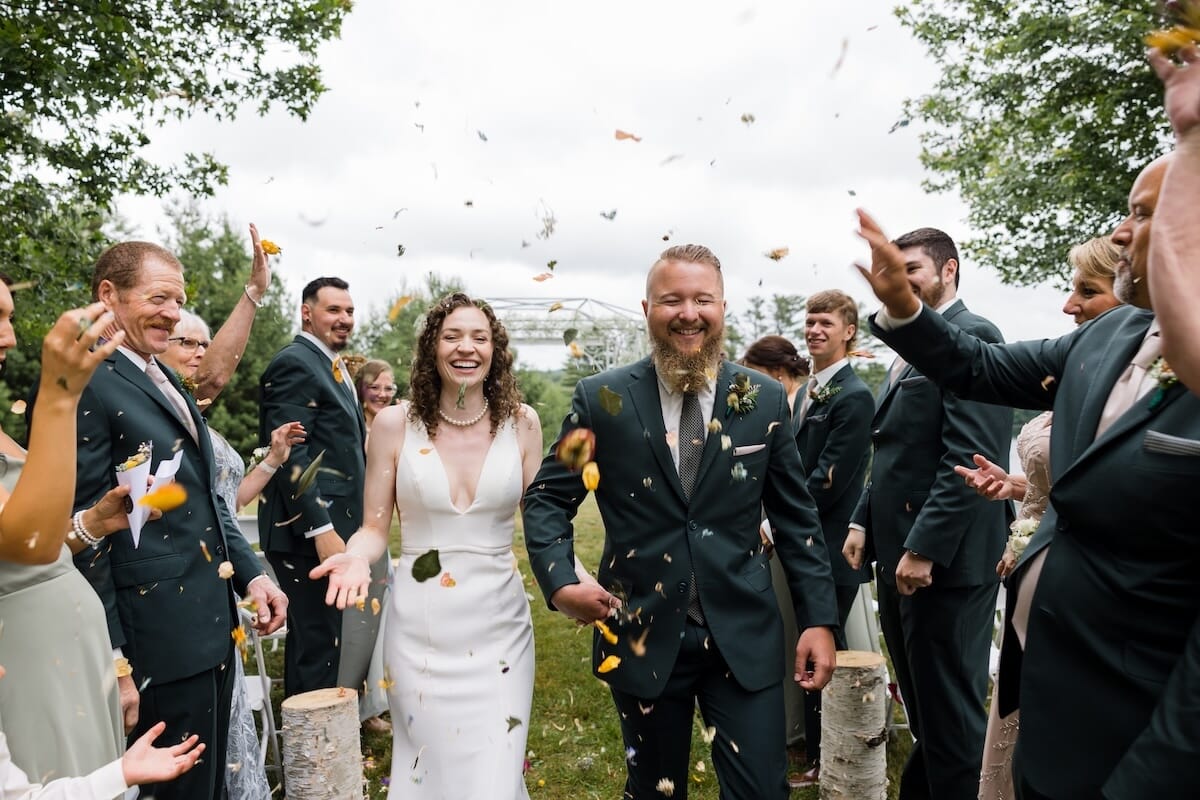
[106, 783]
[672, 407]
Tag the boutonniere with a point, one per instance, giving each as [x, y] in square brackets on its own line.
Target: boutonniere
[1021, 531]
[1164, 378]
[743, 395]
[823, 394]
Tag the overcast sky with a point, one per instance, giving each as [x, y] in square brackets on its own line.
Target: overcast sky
[483, 119]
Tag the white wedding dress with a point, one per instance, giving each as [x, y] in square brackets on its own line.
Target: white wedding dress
[458, 647]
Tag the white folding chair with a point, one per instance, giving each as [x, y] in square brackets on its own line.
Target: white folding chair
[258, 693]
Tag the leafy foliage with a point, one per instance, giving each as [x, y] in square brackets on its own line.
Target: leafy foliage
[1042, 117]
[83, 83]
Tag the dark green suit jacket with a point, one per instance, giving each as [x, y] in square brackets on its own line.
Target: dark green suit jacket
[655, 538]
[167, 608]
[1110, 682]
[834, 439]
[914, 500]
[299, 385]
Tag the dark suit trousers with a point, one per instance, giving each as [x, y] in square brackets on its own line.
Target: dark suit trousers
[846, 596]
[200, 705]
[748, 751]
[939, 640]
[314, 630]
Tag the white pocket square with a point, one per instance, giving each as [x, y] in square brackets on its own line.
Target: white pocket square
[747, 449]
[1156, 442]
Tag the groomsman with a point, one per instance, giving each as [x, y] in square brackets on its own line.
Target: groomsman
[936, 542]
[303, 522]
[1109, 686]
[834, 438]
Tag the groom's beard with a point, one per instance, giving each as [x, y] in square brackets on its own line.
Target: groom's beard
[687, 372]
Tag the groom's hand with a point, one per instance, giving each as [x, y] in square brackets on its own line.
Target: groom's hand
[585, 602]
[815, 647]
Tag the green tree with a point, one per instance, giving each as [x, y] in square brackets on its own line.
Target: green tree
[546, 394]
[83, 83]
[1043, 115]
[216, 261]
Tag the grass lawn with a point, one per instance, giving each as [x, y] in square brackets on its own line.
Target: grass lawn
[574, 745]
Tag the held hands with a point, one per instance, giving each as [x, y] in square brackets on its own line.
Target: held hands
[68, 357]
[1182, 83]
[585, 602]
[816, 647]
[854, 549]
[913, 572]
[888, 274]
[1008, 560]
[145, 763]
[349, 578]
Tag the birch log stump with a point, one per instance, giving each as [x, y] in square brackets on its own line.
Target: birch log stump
[322, 755]
[854, 729]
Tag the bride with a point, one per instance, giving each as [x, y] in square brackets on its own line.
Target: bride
[458, 642]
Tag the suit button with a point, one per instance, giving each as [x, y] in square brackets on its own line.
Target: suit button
[692, 525]
[682, 587]
[875, 432]
[220, 550]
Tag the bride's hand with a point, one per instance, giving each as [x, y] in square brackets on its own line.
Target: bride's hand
[349, 579]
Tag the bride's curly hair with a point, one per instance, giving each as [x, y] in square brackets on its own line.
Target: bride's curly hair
[425, 382]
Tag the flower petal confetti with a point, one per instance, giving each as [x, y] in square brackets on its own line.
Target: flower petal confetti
[622, 135]
[269, 247]
[576, 449]
[426, 566]
[18, 407]
[665, 787]
[204, 550]
[591, 476]
[165, 498]
[448, 581]
[608, 635]
[778, 253]
[398, 306]
[309, 475]
[512, 723]
[225, 570]
[610, 401]
[609, 664]
[545, 276]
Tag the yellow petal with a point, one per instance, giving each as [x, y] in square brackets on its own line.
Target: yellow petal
[204, 549]
[225, 570]
[591, 476]
[608, 635]
[398, 306]
[609, 664]
[166, 497]
[269, 247]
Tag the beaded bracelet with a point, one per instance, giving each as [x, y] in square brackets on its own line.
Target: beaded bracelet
[82, 533]
[257, 303]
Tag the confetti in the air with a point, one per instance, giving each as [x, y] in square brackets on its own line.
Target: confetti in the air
[591, 476]
[225, 570]
[610, 401]
[269, 247]
[426, 566]
[18, 407]
[778, 254]
[748, 118]
[398, 306]
[166, 497]
[666, 787]
[609, 215]
[542, 277]
[609, 664]
[622, 135]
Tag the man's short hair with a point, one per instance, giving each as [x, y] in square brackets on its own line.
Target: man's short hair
[832, 301]
[121, 264]
[6, 279]
[687, 254]
[936, 244]
[309, 295]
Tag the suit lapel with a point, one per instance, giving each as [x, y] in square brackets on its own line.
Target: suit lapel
[1106, 369]
[643, 392]
[325, 366]
[712, 441]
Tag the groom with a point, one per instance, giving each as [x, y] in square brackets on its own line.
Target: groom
[690, 450]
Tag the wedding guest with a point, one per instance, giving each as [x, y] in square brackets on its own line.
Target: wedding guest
[376, 384]
[1173, 245]
[1108, 682]
[1094, 263]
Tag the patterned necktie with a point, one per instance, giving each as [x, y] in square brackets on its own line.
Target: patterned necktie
[1132, 384]
[155, 373]
[806, 400]
[691, 445]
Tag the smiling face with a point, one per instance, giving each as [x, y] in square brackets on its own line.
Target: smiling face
[827, 335]
[379, 393]
[685, 317]
[330, 317]
[464, 349]
[148, 311]
[934, 286]
[1133, 235]
[188, 344]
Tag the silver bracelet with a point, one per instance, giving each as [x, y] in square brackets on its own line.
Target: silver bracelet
[82, 533]
[257, 303]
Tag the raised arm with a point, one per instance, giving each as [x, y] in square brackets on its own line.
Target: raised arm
[1174, 263]
[223, 356]
[35, 520]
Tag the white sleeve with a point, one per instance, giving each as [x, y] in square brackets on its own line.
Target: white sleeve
[106, 783]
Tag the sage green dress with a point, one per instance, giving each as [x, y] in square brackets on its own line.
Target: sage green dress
[59, 705]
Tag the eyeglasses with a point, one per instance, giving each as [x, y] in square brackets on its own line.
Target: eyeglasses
[188, 343]
[378, 389]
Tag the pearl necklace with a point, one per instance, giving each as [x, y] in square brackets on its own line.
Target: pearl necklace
[464, 423]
